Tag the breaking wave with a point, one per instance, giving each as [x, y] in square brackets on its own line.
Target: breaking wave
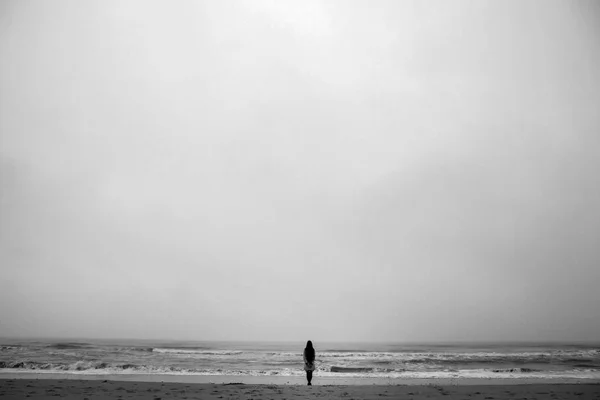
[5, 348]
[268, 359]
[103, 368]
[90, 366]
[512, 370]
[197, 351]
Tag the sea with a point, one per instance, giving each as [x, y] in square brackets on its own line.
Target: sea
[364, 360]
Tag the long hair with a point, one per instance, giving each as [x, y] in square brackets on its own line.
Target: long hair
[309, 352]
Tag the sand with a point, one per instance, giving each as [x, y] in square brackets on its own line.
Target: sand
[113, 389]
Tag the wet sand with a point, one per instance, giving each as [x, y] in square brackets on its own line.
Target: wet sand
[113, 389]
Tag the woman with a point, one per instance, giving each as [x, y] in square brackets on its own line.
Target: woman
[309, 361]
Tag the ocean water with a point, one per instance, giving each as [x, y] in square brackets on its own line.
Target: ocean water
[377, 360]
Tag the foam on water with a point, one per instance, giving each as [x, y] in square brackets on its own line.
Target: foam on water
[198, 352]
[277, 359]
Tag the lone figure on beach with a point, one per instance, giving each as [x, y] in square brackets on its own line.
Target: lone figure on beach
[309, 361]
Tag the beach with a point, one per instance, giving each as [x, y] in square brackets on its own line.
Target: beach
[79, 388]
[280, 362]
[210, 199]
[121, 369]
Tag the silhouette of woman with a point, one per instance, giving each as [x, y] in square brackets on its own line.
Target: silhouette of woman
[309, 361]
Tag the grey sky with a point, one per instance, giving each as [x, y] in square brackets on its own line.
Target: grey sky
[277, 170]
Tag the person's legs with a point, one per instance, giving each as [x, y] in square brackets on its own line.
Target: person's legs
[309, 377]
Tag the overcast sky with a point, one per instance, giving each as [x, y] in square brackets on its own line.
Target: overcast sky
[277, 170]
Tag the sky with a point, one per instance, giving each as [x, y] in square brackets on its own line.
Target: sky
[289, 170]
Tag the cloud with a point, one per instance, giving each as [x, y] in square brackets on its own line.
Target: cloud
[407, 166]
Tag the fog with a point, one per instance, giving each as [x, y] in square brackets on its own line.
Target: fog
[278, 170]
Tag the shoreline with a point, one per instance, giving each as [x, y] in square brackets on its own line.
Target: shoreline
[292, 380]
[72, 389]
